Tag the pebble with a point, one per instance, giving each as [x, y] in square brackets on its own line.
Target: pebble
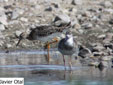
[3, 18]
[4, 0]
[63, 17]
[106, 58]
[17, 33]
[2, 27]
[84, 52]
[48, 9]
[77, 2]
[87, 25]
[94, 64]
[102, 36]
[16, 13]
[24, 19]
[8, 45]
[107, 4]
[111, 21]
[109, 10]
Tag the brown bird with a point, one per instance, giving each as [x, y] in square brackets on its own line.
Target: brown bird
[46, 33]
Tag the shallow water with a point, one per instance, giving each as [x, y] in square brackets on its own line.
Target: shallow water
[32, 66]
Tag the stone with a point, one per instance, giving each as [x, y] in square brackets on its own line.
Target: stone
[56, 5]
[4, 1]
[106, 58]
[84, 52]
[98, 48]
[102, 36]
[108, 45]
[17, 33]
[3, 17]
[2, 27]
[1, 43]
[93, 64]
[24, 19]
[48, 9]
[99, 53]
[81, 31]
[2, 37]
[87, 25]
[107, 4]
[77, 2]
[16, 13]
[111, 21]
[64, 18]
[102, 64]
[109, 10]
[8, 45]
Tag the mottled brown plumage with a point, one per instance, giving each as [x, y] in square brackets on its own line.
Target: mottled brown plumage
[46, 30]
[45, 33]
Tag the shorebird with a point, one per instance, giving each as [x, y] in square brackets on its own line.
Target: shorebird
[46, 33]
[68, 46]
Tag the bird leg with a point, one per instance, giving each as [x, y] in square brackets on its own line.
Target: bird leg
[64, 61]
[48, 55]
[70, 63]
[55, 40]
[48, 48]
[22, 35]
[18, 42]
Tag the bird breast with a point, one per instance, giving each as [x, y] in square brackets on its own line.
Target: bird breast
[69, 42]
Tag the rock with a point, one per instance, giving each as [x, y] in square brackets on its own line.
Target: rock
[3, 17]
[1, 36]
[106, 58]
[24, 19]
[108, 39]
[48, 9]
[17, 33]
[87, 25]
[102, 64]
[84, 52]
[94, 64]
[4, 1]
[1, 43]
[2, 27]
[16, 13]
[13, 22]
[111, 21]
[77, 2]
[64, 18]
[56, 5]
[98, 48]
[99, 53]
[107, 4]
[102, 36]
[108, 45]
[109, 10]
[8, 45]
[37, 7]
[81, 31]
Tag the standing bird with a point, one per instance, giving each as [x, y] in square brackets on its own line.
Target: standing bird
[46, 33]
[68, 46]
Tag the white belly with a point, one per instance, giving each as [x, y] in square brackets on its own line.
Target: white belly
[50, 37]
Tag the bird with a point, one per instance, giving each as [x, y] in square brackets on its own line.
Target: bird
[45, 33]
[68, 46]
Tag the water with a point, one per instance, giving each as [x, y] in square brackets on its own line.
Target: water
[32, 66]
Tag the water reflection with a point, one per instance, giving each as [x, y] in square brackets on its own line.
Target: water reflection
[51, 76]
[33, 68]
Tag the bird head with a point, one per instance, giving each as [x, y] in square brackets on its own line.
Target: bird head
[69, 34]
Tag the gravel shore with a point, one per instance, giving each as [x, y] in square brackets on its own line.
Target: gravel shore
[92, 24]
